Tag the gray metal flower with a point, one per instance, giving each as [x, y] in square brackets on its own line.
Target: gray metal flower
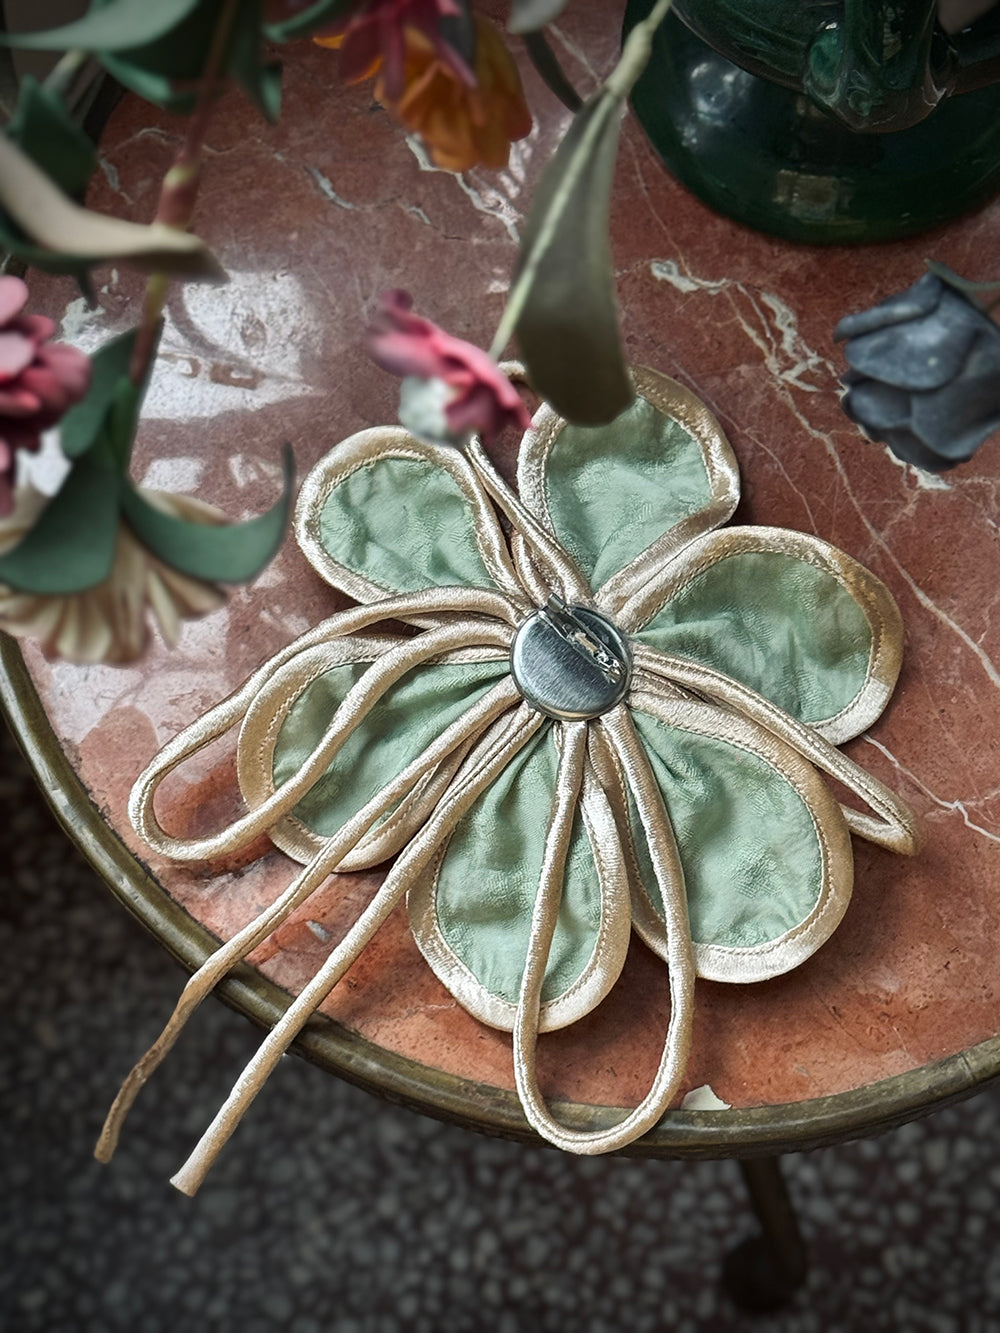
[924, 372]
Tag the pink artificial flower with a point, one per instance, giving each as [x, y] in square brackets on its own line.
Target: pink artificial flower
[459, 389]
[372, 36]
[39, 380]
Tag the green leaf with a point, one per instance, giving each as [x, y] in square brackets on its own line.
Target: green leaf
[82, 424]
[260, 82]
[165, 71]
[228, 553]
[150, 85]
[563, 304]
[53, 224]
[553, 76]
[44, 130]
[72, 546]
[154, 70]
[122, 422]
[112, 25]
[12, 240]
[313, 19]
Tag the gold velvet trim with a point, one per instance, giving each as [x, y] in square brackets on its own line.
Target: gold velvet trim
[784, 952]
[894, 825]
[427, 779]
[547, 555]
[218, 720]
[493, 753]
[620, 733]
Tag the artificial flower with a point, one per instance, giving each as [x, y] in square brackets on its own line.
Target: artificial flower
[39, 380]
[451, 388]
[615, 717]
[110, 622]
[372, 36]
[464, 126]
[925, 373]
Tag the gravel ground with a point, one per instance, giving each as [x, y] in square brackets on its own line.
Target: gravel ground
[334, 1213]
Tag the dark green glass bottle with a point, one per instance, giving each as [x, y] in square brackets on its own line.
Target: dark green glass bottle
[826, 121]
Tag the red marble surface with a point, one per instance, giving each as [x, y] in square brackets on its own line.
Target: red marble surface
[313, 219]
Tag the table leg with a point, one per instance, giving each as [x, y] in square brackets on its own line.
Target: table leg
[763, 1272]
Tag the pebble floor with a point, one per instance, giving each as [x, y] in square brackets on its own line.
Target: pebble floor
[332, 1212]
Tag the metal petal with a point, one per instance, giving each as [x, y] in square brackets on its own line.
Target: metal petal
[925, 353]
[905, 445]
[875, 406]
[917, 301]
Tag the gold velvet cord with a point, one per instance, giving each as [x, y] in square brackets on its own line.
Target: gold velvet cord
[488, 759]
[670, 879]
[472, 627]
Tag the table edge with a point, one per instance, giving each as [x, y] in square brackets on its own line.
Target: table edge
[743, 1132]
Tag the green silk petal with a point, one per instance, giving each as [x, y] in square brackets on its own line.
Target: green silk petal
[612, 490]
[408, 718]
[747, 841]
[779, 624]
[404, 524]
[489, 878]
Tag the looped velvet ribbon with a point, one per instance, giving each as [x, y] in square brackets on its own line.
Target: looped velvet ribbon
[603, 769]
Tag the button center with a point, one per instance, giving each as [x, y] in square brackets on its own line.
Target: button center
[570, 662]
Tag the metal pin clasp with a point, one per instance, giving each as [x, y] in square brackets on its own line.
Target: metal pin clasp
[578, 635]
[571, 662]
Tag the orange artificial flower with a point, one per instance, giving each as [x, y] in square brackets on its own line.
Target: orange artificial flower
[372, 36]
[463, 126]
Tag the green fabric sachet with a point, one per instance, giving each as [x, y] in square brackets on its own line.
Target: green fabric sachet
[618, 716]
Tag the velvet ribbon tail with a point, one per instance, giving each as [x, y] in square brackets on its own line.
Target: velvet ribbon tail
[560, 567]
[620, 733]
[464, 731]
[507, 736]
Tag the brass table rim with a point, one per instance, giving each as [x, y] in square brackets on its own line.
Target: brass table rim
[742, 1132]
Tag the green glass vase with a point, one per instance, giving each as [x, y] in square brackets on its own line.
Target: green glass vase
[834, 121]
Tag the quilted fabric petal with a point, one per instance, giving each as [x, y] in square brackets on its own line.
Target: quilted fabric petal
[387, 513]
[290, 716]
[785, 613]
[765, 849]
[624, 497]
[472, 918]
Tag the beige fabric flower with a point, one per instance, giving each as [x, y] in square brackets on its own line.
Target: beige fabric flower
[110, 622]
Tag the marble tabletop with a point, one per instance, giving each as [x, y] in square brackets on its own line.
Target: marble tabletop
[312, 219]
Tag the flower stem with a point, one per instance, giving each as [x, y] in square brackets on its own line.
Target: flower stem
[636, 51]
[179, 191]
[550, 71]
[60, 78]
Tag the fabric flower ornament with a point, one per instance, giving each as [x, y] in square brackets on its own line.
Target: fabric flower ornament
[39, 380]
[924, 372]
[451, 388]
[617, 717]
